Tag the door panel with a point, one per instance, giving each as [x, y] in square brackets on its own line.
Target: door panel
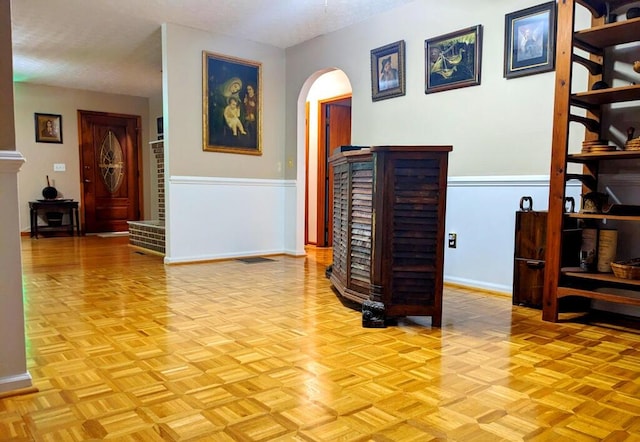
[335, 131]
[109, 152]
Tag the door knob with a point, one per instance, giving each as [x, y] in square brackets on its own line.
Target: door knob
[87, 180]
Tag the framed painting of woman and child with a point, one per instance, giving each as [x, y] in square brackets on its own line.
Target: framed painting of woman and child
[232, 111]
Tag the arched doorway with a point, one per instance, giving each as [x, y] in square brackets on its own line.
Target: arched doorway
[327, 124]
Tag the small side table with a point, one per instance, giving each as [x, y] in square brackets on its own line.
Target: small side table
[69, 207]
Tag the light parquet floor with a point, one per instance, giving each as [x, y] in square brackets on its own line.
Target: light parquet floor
[122, 347]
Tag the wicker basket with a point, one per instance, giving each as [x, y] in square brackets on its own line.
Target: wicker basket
[633, 144]
[627, 269]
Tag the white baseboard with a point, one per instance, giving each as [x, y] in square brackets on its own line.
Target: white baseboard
[15, 382]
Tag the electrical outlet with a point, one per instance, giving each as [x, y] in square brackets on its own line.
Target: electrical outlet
[59, 167]
[453, 240]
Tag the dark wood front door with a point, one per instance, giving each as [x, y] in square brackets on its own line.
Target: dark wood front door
[335, 131]
[109, 163]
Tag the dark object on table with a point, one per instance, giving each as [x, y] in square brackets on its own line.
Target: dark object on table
[49, 192]
[349, 148]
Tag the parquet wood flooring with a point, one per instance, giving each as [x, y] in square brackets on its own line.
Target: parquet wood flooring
[122, 347]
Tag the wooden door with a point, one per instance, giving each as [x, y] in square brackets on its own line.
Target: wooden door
[335, 131]
[110, 170]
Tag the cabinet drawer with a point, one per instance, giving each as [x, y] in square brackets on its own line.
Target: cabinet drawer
[528, 281]
[531, 232]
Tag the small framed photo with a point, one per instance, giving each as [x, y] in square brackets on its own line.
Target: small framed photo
[48, 128]
[529, 41]
[388, 71]
[453, 60]
[232, 105]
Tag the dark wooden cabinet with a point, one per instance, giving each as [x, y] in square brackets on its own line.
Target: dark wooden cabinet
[388, 228]
[529, 255]
[528, 265]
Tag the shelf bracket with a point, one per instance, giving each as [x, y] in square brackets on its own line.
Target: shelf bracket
[593, 67]
[591, 124]
[587, 180]
[597, 9]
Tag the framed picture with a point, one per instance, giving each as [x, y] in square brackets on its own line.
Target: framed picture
[48, 128]
[387, 71]
[529, 40]
[453, 60]
[231, 105]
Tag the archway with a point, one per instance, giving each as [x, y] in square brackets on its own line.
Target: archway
[320, 87]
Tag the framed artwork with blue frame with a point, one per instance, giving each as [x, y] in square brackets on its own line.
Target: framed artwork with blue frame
[529, 41]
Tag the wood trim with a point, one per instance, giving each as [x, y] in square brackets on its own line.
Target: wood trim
[322, 173]
[560, 137]
[306, 172]
[322, 169]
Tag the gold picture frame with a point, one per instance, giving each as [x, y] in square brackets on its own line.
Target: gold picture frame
[48, 128]
[231, 104]
[388, 71]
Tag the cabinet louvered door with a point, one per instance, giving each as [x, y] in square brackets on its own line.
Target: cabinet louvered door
[411, 234]
[361, 212]
[388, 243]
[340, 220]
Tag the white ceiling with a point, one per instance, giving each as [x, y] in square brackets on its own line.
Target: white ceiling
[114, 46]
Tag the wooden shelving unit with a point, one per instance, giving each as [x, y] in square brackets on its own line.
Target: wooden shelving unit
[563, 282]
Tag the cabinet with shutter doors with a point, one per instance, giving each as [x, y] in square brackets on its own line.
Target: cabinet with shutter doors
[388, 227]
[593, 49]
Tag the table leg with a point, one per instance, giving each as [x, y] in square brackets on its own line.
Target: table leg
[34, 223]
[75, 209]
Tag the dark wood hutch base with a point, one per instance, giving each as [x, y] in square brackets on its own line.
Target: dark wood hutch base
[388, 230]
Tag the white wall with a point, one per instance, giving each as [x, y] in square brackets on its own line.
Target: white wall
[331, 84]
[40, 157]
[207, 218]
[182, 77]
[502, 127]
[481, 211]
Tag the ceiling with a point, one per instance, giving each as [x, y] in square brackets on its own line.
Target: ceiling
[114, 46]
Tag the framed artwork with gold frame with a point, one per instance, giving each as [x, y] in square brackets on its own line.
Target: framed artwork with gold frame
[388, 71]
[231, 105]
[48, 128]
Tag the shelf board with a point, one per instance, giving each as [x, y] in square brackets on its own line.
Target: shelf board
[590, 99]
[604, 216]
[619, 299]
[611, 34]
[595, 156]
[603, 277]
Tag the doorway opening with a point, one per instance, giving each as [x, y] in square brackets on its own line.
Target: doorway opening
[328, 125]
